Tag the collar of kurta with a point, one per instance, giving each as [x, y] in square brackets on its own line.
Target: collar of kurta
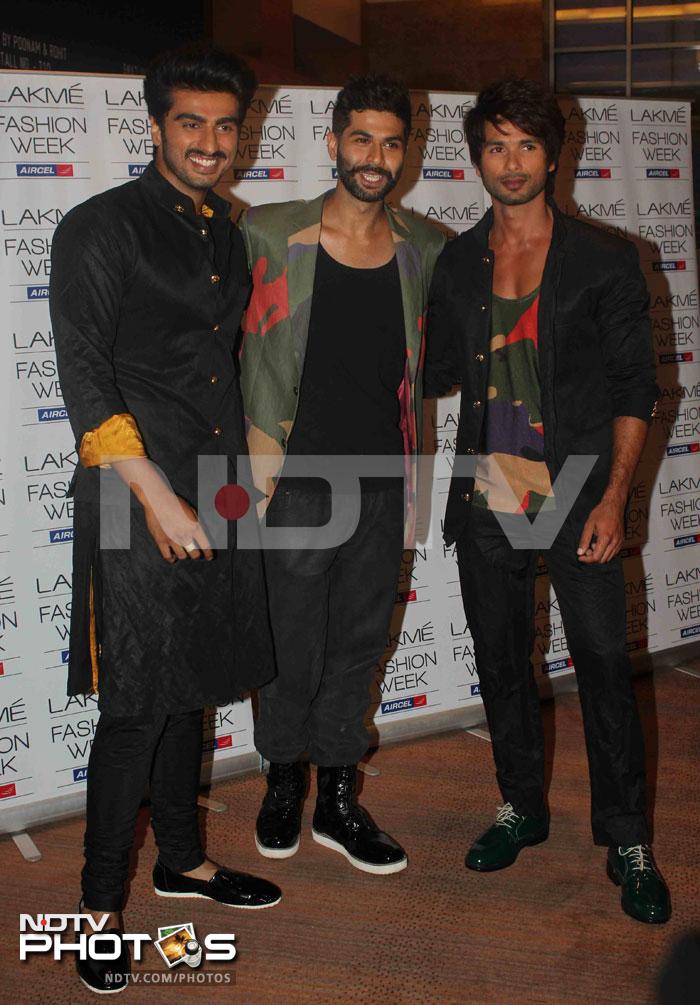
[160, 189]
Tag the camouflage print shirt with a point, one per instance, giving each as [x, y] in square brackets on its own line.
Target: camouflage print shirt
[282, 242]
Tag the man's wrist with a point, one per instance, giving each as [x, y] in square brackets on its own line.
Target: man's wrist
[615, 496]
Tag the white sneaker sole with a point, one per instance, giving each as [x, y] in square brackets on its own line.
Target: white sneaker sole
[376, 870]
[239, 907]
[277, 852]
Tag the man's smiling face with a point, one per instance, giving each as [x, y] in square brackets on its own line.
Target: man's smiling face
[197, 139]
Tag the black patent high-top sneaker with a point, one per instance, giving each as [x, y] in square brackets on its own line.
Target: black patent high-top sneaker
[339, 823]
[105, 977]
[278, 826]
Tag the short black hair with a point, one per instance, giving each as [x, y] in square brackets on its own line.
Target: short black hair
[198, 67]
[374, 92]
[528, 104]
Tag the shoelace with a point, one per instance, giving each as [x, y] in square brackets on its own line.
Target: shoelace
[639, 855]
[506, 816]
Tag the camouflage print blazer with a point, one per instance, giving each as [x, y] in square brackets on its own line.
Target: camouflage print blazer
[281, 241]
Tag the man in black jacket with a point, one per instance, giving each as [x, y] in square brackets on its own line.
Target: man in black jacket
[148, 285]
[543, 321]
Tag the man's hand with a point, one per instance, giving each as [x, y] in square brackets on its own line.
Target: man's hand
[606, 523]
[172, 523]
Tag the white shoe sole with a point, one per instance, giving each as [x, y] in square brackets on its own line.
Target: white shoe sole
[111, 991]
[376, 870]
[239, 907]
[277, 852]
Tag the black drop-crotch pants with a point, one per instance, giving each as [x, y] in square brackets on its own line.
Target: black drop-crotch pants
[330, 610]
[498, 585]
[127, 752]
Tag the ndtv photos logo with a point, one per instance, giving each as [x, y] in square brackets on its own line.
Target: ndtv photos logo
[44, 170]
[259, 174]
[59, 934]
[444, 174]
[593, 173]
[404, 704]
[663, 173]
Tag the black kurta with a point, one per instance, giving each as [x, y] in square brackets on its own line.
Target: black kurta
[146, 300]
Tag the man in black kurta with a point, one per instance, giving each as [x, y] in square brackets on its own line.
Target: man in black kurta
[148, 284]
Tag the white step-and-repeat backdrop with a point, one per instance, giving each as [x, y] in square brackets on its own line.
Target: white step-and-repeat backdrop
[626, 165]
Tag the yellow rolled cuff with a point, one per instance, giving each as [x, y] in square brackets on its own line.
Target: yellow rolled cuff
[115, 440]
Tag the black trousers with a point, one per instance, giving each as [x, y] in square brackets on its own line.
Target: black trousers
[330, 611]
[126, 753]
[498, 593]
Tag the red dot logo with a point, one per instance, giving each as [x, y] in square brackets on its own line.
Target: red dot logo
[232, 502]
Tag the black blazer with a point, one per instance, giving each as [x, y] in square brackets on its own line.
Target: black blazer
[595, 350]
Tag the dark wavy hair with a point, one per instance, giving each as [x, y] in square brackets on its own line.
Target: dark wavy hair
[198, 67]
[529, 105]
[372, 92]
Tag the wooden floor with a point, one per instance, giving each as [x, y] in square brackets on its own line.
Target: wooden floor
[547, 930]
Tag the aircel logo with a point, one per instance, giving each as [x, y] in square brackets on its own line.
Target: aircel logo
[678, 266]
[136, 170]
[404, 704]
[51, 414]
[663, 172]
[593, 173]
[683, 448]
[475, 690]
[62, 535]
[688, 632]
[444, 174]
[80, 774]
[683, 542]
[44, 170]
[37, 293]
[675, 357]
[218, 743]
[563, 664]
[259, 174]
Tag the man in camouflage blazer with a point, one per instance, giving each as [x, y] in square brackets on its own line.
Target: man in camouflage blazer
[331, 365]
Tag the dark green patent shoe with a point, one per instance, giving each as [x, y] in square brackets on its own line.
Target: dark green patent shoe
[645, 896]
[501, 844]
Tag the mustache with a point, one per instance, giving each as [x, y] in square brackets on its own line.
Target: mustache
[219, 154]
[374, 170]
[514, 177]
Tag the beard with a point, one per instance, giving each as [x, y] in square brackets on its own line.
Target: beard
[531, 189]
[348, 177]
[180, 169]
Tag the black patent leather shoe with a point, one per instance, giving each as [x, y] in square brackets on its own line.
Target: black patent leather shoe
[105, 977]
[278, 827]
[339, 823]
[234, 889]
[645, 896]
[500, 845]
